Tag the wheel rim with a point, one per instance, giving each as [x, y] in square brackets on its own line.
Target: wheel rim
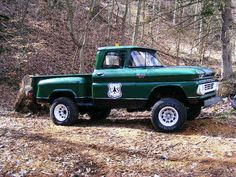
[61, 112]
[168, 116]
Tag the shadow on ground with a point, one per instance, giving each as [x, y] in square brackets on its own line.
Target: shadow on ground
[209, 126]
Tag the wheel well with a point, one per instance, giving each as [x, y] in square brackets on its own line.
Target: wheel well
[167, 91]
[56, 95]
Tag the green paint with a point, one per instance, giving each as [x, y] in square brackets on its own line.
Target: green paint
[137, 83]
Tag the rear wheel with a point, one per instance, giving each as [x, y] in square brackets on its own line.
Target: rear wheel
[193, 112]
[99, 114]
[168, 115]
[63, 111]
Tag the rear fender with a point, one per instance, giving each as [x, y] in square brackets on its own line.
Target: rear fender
[62, 93]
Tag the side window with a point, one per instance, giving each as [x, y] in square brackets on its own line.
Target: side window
[143, 59]
[113, 60]
[137, 59]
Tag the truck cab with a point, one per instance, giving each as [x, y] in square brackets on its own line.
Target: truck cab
[129, 77]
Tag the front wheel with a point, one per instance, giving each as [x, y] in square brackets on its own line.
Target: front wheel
[168, 115]
[64, 111]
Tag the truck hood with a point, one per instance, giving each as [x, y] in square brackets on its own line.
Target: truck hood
[180, 73]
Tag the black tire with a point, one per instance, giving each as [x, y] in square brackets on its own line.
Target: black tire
[175, 111]
[193, 112]
[101, 114]
[64, 111]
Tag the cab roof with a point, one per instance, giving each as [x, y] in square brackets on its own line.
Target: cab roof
[123, 48]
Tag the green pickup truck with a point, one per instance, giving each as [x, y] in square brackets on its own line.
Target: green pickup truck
[128, 77]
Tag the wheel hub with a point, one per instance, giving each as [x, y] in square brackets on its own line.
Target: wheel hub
[168, 116]
[61, 112]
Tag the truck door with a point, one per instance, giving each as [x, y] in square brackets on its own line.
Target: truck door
[116, 84]
[111, 83]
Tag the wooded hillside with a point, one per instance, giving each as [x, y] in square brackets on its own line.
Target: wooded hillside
[57, 36]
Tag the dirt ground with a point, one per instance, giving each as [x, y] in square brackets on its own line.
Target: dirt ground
[123, 145]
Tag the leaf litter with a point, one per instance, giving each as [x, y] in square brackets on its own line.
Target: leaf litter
[123, 145]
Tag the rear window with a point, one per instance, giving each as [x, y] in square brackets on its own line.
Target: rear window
[113, 60]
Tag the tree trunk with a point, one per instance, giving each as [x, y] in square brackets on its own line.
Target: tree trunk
[234, 33]
[226, 40]
[110, 19]
[129, 19]
[117, 12]
[152, 15]
[174, 13]
[151, 24]
[178, 49]
[81, 55]
[123, 23]
[70, 20]
[143, 21]
[195, 17]
[90, 14]
[135, 34]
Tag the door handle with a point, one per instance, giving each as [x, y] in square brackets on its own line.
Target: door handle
[100, 74]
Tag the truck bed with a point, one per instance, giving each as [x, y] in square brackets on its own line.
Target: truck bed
[84, 84]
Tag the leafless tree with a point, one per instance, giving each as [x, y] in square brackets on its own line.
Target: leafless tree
[136, 28]
[226, 39]
[123, 22]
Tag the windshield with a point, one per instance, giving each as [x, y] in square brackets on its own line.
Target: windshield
[143, 59]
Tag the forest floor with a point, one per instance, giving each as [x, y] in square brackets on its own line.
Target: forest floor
[123, 145]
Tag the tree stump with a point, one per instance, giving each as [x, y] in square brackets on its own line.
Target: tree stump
[24, 104]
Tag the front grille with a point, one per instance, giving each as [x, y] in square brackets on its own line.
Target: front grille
[208, 86]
